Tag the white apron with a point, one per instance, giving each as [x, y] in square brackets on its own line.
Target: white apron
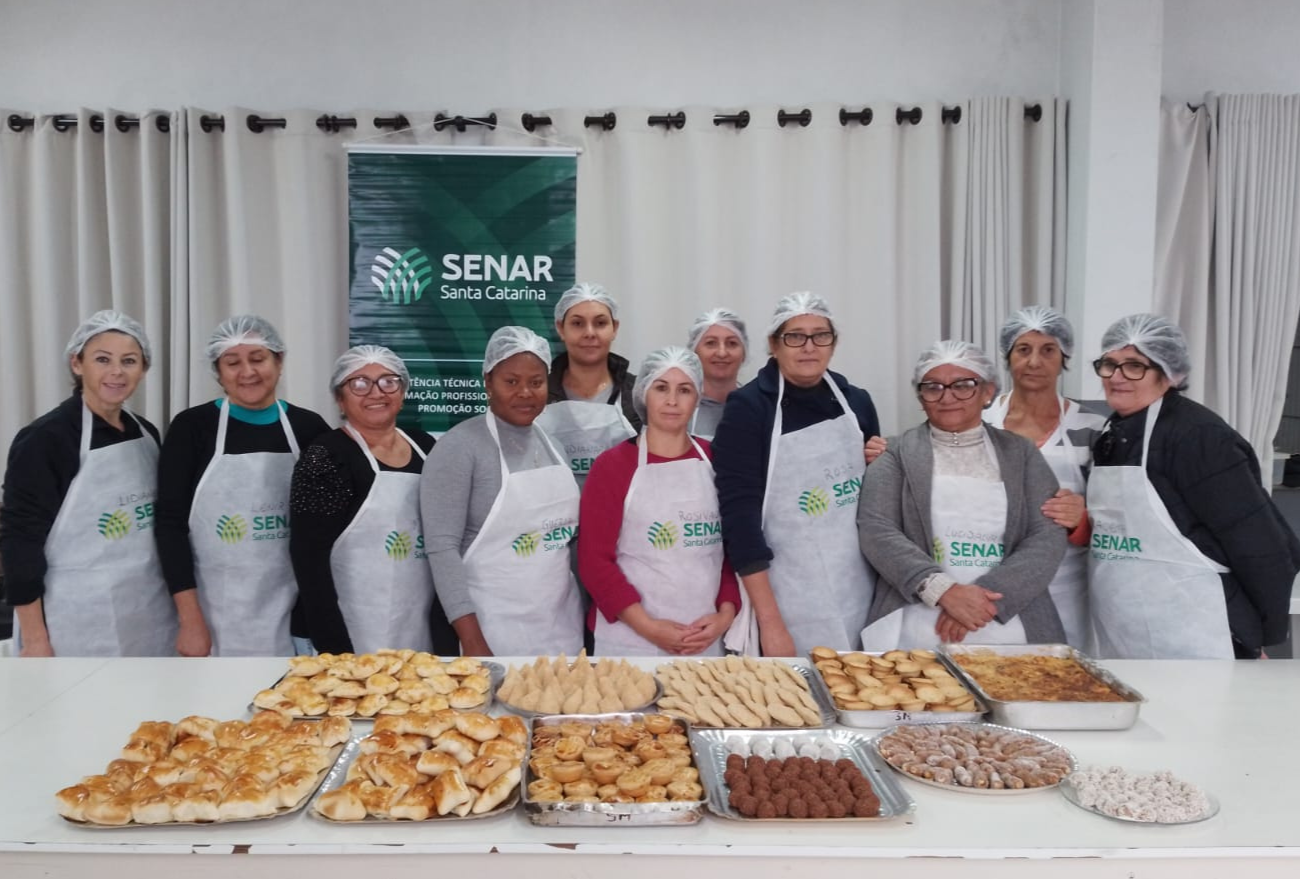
[1069, 588]
[104, 590]
[669, 548]
[822, 583]
[525, 596]
[1154, 594]
[239, 531]
[583, 430]
[384, 586]
[968, 517]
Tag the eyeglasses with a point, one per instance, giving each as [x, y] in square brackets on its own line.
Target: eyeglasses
[388, 384]
[823, 339]
[1133, 370]
[962, 389]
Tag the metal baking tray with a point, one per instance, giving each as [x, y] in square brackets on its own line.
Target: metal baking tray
[339, 775]
[606, 814]
[525, 713]
[1051, 715]
[880, 718]
[816, 686]
[710, 747]
[995, 792]
[289, 810]
[496, 672]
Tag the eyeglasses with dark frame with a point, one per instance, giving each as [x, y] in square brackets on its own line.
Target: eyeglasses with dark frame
[360, 385]
[962, 389]
[1133, 370]
[823, 339]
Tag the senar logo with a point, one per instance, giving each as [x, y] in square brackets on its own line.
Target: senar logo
[232, 529]
[814, 502]
[937, 551]
[401, 277]
[114, 525]
[662, 535]
[398, 545]
[526, 544]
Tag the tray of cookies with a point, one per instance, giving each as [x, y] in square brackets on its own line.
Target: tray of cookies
[743, 692]
[826, 775]
[978, 758]
[619, 768]
[446, 765]
[204, 771]
[876, 690]
[386, 682]
[554, 685]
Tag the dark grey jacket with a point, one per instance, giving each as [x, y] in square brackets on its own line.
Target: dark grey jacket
[895, 533]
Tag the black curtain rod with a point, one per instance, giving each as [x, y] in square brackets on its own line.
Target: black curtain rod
[66, 121]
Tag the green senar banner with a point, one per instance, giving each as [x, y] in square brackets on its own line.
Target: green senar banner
[447, 245]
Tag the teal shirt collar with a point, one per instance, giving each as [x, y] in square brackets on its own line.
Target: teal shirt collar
[269, 415]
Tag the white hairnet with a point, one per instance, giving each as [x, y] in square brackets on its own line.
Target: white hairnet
[584, 292]
[103, 322]
[717, 317]
[360, 355]
[657, 363]
[957, 353]
[1036, 318]
[506, 342]
[242, 329]
[795, 304]
[1157, 337]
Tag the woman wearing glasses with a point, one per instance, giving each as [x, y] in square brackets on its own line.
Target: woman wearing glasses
[1189, 557]
[789, 458]
[500, 509]
[1036, 344]
[952, 519]
[357, 544]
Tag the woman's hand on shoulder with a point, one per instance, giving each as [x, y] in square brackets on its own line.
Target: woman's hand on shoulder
[1065, 508]
[874, 448]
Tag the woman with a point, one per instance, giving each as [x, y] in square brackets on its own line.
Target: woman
[500, 508]
[589, 393]
[651, 550]
[223, 501]
[1036, 344]
[951, 519]
[357, 545]
[718, 338]
[80, 566]
[1189, 558]
[789, 460]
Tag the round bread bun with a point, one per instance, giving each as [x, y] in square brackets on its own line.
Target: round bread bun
[566, 771]
[658, 723]
[824, 653]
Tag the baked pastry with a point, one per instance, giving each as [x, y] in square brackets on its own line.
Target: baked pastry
[342, 804]
[449, 791]
[498, 791]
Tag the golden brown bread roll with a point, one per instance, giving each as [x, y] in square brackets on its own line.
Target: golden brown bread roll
[514, 729]
[498, 791]
[342, 804]
[198, 807]
[71, 802]
[435, 763]
[478, 726]
[482, 771]
[115, 810]
[450, 791]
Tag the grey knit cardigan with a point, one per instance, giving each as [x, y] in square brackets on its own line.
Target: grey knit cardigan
[895, 533]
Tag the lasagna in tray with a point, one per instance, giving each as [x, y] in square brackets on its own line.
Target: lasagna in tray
[1035, 679]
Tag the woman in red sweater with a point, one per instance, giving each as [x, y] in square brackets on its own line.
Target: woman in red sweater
[650, 535]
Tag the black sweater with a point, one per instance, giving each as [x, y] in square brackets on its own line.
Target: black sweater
[1208, 478]
[43, 460]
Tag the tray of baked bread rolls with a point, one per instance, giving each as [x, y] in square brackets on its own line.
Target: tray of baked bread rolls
[387, 682]
[735, 692]
[447, 765]
[620, 768]
[877, 690]
[204, 771]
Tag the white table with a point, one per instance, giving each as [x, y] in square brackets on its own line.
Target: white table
[1226, 725]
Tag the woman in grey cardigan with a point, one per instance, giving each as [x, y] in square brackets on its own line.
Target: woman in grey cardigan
[951, 519]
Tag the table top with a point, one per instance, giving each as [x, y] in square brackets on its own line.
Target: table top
[1224, 725]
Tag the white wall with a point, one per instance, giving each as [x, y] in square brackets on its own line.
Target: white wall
[467, 56]
[1243, 46]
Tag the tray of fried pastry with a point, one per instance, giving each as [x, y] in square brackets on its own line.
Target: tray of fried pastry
[386, 682]
[204, 771]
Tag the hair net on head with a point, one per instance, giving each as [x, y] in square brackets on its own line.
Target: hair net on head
[717, 317]
[1036, 318]
[506, 342]
[360, 355]
[657, 363]
[957, 353]
[103, 322]
[242, 329]
[795, 304]
[1157, 337]
[584, 292]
